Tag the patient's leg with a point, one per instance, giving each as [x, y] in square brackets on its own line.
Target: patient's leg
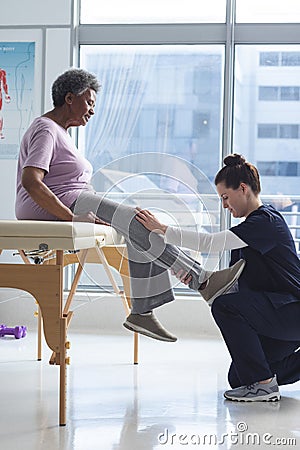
[149, 259]
[149, 255]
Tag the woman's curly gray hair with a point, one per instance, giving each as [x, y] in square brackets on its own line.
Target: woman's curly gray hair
[76, 81]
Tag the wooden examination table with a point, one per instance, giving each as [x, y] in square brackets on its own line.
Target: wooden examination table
[46, 247]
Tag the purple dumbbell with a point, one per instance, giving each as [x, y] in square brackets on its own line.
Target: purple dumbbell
[17, 332]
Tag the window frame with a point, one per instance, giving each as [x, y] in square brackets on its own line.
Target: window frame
[230, 34]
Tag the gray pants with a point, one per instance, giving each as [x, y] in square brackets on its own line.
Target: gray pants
[148, 255]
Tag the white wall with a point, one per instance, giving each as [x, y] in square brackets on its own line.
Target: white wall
[36, 12]
[49, 23]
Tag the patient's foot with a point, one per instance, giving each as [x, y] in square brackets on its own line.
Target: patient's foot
[148, 325]
[221, 281]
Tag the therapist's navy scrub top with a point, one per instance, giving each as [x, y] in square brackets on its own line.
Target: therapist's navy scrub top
[272, 264]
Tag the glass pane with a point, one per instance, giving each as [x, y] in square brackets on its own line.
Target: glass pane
[269, 58]
[268, 93]
[290, 59]
[155, 138]
[267, 131]
[289, 93]
[267, 11]
[267, 168]
[266, 116]
[154, 11]
[162, 99]
[288, 169]
[288, 131]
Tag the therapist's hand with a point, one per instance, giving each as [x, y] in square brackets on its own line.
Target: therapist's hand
[183, 276]
[149, 221]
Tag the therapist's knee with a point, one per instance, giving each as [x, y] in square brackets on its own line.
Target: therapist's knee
[218, 307]
[224, 305]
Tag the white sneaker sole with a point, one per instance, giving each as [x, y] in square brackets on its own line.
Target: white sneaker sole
[273, 397]
[145, 332]
[226, 288]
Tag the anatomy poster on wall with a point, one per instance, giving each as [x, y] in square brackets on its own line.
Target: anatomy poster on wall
[16, 94]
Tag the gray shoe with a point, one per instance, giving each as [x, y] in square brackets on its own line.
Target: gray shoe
[221, 281]
[148, 325]
[256, 392]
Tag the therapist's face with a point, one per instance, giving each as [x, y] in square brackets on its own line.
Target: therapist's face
[235, 200]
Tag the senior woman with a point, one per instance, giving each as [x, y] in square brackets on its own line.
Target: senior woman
[53, 183]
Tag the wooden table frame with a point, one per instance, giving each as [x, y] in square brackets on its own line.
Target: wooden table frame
[45, 283]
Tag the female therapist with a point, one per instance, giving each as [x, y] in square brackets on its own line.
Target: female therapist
[260, 322]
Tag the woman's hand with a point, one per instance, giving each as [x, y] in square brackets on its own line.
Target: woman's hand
[89, 217]
[149, 221]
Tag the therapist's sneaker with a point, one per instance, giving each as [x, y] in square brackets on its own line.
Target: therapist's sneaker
[148, 325]
[256, 392]
[220, 282]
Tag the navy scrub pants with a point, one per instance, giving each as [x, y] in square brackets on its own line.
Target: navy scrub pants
[261, 339]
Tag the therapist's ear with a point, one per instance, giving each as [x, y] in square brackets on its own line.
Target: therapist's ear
[244, 187]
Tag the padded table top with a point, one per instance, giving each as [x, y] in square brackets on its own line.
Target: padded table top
[29, 234]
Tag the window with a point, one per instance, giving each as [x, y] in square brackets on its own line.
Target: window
[287, 168]
[267, 11]
[269, 58]
[267, 168]
[278, 168]
[267, 131]
[289, 93]
[279, 93]
[268, 93]
[149, 103]
[159, 124]
[288, 131]
[279, 58]
[277, 131]
[154, 11]
[290, 59]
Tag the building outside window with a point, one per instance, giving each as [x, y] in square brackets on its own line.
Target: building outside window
[269, 113]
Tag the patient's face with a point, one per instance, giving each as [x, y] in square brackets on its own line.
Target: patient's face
[82, 107]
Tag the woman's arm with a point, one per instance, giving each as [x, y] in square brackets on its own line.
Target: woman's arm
[202, 242]
[32, 181]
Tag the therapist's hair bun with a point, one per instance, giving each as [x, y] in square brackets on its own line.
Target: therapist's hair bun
[234, 160]
[237, 170]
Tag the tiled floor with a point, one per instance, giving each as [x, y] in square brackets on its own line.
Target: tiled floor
[172, 400]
